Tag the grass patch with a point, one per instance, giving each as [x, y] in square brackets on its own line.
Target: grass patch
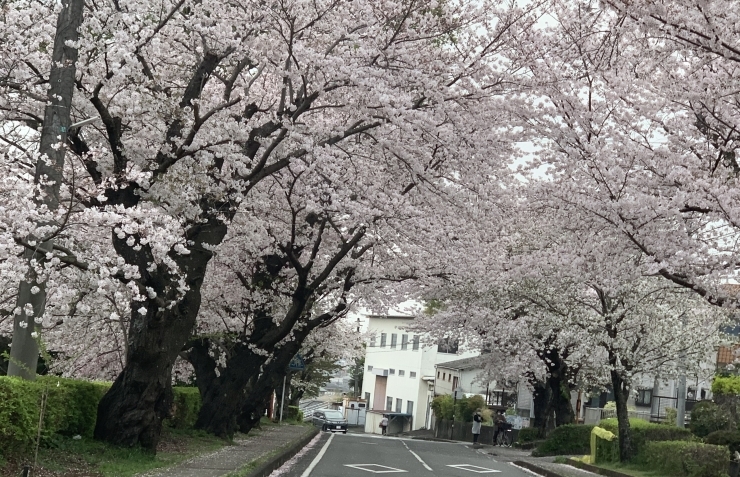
[66, 457]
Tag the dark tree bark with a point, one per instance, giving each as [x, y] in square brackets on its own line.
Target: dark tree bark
[132, 411]
[542, 399]
[621, 394]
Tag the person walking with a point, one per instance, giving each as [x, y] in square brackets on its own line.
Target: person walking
[477, 421]
[384, 425]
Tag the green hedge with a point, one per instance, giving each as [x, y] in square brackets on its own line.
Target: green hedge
[186, 401]
[71, 409]
[570, 439]
[686, 459]
[730, 439]
[528, 434]
[642, 432]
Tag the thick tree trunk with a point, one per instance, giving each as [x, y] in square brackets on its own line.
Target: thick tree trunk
[621, 394]
[132, 411]
[541, 397]
[223, 395]
[24, 352]
[561, 402]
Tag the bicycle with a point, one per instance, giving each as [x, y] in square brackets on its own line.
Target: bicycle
[504, 437]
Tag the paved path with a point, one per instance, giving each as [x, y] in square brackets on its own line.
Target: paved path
[236, 456]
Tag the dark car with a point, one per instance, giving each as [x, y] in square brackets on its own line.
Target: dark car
[330, 420]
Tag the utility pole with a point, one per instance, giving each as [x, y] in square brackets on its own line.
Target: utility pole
[681, 401]
[24, 351]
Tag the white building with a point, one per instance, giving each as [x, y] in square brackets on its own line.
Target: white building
[400, 370]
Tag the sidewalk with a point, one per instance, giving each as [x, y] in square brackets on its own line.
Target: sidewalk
[259, 446]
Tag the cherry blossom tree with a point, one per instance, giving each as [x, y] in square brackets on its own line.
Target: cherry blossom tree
[199, 104]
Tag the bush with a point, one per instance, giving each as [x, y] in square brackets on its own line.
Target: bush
[528, 434]
[731, 439]
[726, 385]
[686, 459]
[707, 417]
[71, 409]
[642, 432]
[186, 404]
[570, 439]
[442, 407]
[464, 407]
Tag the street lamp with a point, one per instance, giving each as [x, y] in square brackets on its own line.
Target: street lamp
[455, 392]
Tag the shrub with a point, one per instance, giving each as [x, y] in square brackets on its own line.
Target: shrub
[186, 404]
[569, 439]
[731, 439]
[686, 459]
[726, 385]
[442, 407]
[528, 434]
[643, 431]
[707, 417]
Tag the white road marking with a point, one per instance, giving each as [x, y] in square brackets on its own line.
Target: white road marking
[472, 468]
[388, 470]
[317, 459]
[370, 443]
[417, 456]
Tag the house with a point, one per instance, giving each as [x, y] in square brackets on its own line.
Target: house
[467, 375]
[400, 371]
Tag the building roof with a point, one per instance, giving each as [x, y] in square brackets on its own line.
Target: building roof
[475, 362]
[392, 317]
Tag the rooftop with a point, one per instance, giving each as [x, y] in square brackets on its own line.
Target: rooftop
[475, 362]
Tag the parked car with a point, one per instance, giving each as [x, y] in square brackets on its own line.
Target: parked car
[330, 420]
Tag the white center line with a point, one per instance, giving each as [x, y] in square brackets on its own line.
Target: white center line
[415, 455]
[317, 459]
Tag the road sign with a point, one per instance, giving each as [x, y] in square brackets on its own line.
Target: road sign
[297, 363]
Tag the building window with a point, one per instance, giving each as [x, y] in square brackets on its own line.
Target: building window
[409, 407]
[382, 340]
[399, 405]
[372, 341]
[449, 378]
[444, 376]
[437, 374]
[391, 371]
[394, 340]
[644, 397]
[412, 374]
[389, 403]
[415, 347]
[404, 341]
[401, 372]
[369, 367]
[447, 345]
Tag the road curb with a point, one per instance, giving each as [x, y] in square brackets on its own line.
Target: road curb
[595, 470]
[266, 468]
[536, 468]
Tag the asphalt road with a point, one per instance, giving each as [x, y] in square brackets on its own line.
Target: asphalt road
[362, 455]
